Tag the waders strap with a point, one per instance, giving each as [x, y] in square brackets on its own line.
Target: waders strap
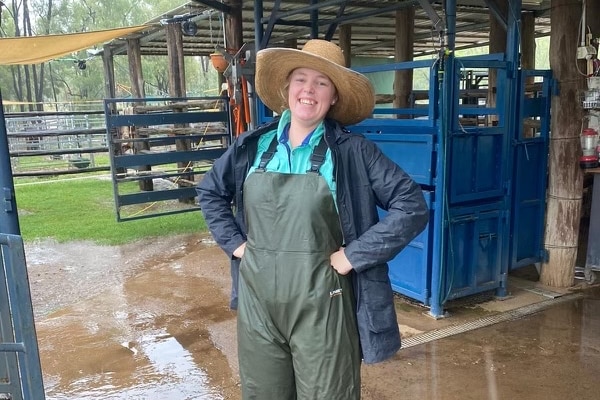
[317, 158]
[267, 155]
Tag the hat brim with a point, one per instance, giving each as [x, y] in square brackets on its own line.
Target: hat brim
[356, 97]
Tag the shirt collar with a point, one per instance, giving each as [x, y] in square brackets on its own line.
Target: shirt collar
[283, 130]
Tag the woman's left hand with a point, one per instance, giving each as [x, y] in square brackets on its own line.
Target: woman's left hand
[340, 262]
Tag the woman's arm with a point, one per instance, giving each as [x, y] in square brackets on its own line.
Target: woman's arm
[216, 192]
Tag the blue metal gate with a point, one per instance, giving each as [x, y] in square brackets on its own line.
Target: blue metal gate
[530, 149]
[165, 140]
[20, 371]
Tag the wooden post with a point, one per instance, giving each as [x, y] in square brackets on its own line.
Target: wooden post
[528, 40]
[233, 26]
[404, 45]
[177, 89]
[134, 56]
[497, 45]
[565, 176]
[109, 92]
[345, 42]
[109, 72]
[176, 65]
[233, 42]
[136, 76]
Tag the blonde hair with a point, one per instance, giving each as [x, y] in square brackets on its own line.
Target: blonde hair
[284, 94]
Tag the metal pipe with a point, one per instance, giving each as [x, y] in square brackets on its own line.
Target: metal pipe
[441, 218]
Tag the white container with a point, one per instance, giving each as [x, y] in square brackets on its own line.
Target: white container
[594, 82]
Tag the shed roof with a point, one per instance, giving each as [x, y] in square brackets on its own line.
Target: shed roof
[373, 24]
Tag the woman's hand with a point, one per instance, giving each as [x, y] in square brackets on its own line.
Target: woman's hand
[340, 263]
[239, 252]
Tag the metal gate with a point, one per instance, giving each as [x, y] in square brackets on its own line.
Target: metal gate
[530, 152]
[20, 370]
[163, 145]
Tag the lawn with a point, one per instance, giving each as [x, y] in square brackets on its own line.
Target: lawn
[84, 209]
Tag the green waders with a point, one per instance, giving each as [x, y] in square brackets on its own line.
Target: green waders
[297, 335]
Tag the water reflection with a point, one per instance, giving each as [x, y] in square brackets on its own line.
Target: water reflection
[552, 354]
[164, 370]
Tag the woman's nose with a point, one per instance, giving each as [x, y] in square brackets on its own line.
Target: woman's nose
[309, 87]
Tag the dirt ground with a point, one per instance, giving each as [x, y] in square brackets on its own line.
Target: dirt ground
[151, 320]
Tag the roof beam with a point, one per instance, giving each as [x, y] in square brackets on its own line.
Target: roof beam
[217, 5]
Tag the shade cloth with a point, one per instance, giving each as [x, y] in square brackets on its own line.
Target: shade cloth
[38, 49]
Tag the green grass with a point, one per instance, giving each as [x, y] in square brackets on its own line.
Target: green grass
[84, 209]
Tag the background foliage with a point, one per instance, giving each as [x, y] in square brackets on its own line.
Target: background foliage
[61, 80]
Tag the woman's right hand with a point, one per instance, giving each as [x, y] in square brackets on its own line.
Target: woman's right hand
[239, 252]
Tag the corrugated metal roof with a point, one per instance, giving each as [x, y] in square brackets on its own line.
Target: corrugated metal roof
[372, 24]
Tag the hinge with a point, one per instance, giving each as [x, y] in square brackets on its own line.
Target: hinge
[8, 197]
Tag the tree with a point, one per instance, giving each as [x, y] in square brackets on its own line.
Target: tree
[65, 79]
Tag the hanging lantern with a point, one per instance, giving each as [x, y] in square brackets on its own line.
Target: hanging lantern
[589, 157]
[218, 62]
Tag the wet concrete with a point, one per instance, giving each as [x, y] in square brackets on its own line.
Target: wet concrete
[150, 321]
[553, 354]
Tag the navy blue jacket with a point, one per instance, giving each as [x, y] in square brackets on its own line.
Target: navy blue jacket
[366, 179]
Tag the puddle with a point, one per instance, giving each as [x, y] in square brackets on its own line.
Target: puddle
[158, 366]
[152, 330]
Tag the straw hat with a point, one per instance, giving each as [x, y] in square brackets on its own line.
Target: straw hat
[356, 97]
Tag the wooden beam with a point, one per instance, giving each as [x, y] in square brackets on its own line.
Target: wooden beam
[346, 42]
[175, 60]
[233, 26]
[136, 76]
[109, 72]
[177, 81]
[404, 46]
[498, 41]
[565, 177]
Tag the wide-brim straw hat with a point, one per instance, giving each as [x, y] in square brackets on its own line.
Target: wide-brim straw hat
[356, 97]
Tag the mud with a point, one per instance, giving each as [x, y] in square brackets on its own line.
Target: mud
[150, 321]
[147, 320]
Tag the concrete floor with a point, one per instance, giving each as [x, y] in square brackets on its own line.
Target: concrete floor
[150, 321]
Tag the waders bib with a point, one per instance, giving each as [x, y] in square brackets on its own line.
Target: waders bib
[297, 335]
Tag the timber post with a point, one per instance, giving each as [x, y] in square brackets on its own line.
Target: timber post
[345, 38]
[565, 178]
[134, 58]
[498, 42]
[403, 48]
[177, 87]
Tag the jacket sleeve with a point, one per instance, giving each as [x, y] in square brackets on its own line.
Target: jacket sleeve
[216, 192]
[407, 212]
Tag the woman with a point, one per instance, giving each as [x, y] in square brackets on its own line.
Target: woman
[314, 293]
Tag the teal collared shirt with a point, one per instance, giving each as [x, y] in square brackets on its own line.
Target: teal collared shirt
[294, 161]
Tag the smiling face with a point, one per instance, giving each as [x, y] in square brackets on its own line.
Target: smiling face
[310, 95]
